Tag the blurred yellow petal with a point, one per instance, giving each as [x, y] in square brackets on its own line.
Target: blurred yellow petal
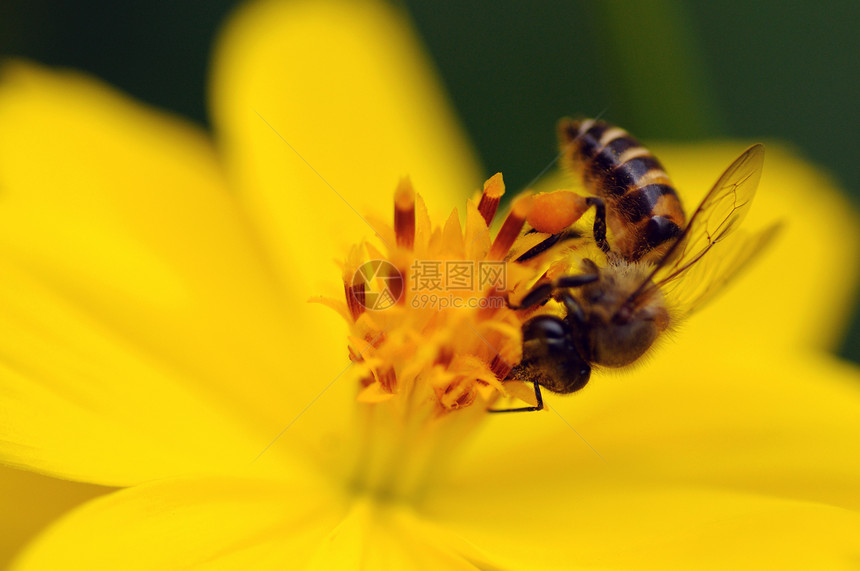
[261, 524]
[23, 517]
[534, 524]
[688, 462]
[222, 523]
[376, 535]
[777, 426]
[120, 425]
[321, 107]
[132, 297]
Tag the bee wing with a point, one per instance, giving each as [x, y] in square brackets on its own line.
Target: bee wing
[720, 213]
[705, 280]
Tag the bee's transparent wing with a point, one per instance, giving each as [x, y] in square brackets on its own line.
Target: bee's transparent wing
[705, 280]
[720, 213]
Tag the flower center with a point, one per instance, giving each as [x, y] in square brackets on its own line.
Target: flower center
[432, 333]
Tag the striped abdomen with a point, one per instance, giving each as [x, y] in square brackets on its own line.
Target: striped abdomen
[643, 210]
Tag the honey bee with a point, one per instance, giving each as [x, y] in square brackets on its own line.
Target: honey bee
[614, 311]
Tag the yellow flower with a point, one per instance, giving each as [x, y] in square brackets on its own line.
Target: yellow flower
[156, 336]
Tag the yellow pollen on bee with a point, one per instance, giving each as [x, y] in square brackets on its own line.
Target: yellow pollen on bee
[552, 212]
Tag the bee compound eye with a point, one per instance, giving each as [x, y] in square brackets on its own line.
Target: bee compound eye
[547, 327]
[576, 374]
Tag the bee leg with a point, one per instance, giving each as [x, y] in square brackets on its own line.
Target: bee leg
[538, 398]
[575, 314]
[599, 222]
[543, 292]
[552, 240]
[538, 296]
[576, 280]
[576, 320]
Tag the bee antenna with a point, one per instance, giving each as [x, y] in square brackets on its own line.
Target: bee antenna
[601, 114]
[539, 175]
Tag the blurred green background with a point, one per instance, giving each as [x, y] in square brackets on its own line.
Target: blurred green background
[663, 69]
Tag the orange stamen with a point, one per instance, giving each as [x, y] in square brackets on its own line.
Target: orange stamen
[388, 380]
[500, 368]
[511, 227]
[404, 214]
[494, 188]
[444, 357]
[355, 300]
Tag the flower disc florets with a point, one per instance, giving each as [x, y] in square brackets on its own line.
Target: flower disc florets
[430, 311]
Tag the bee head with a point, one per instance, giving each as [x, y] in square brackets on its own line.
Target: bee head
[550, 356]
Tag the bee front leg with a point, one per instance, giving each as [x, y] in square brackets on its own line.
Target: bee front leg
[578, 326]
[575, 313]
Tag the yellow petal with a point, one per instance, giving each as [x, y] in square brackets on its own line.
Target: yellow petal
[727, 460]
[777, 425]
[245, 523]
[321, 108]
[376, 535]
[142, 335]
[229, 523]
[89, 413]
[24, 515]
[534, 524]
